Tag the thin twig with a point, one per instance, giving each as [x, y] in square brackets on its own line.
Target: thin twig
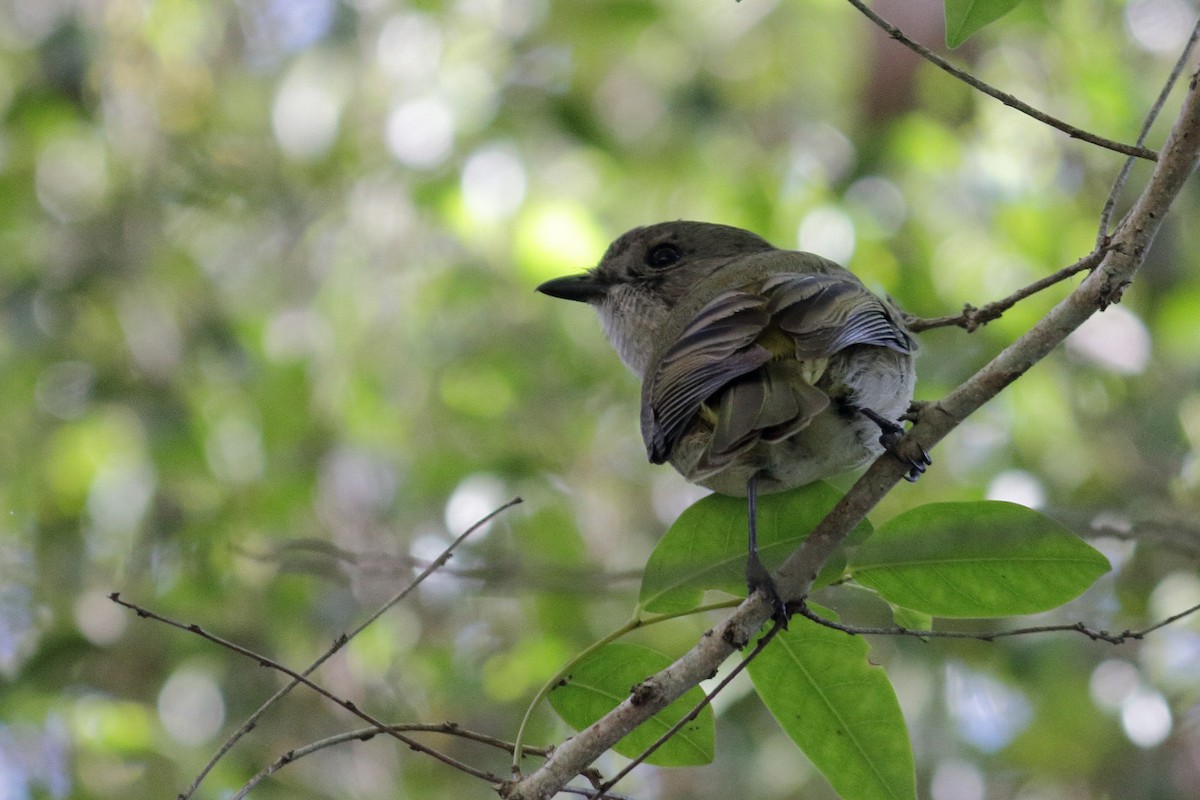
[593, 793]
[365, 734]
[1137, 151]
[763, 641]
[263, 661]
[1102, 234]
[1095, 634]
[972, 318]
[337, 645]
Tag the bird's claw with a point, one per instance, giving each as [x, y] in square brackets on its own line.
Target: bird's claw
[892, 438]
[916, 466]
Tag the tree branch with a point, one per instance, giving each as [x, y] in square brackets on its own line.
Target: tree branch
[1104, 286]
[1136, 151]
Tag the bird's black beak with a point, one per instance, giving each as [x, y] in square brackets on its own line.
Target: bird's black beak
[585, 288]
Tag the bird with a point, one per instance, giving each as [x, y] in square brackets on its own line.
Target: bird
[762, 369]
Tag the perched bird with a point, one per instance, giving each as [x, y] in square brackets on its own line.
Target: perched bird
[762, 369]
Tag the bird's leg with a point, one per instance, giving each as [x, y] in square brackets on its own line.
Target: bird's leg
[890, 436]
[757, 574]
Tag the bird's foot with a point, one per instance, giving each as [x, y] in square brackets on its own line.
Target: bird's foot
[892, 438]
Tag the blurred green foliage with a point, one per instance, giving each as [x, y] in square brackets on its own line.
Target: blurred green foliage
[269, 340]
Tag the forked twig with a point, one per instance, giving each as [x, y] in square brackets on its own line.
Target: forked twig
[297, 677]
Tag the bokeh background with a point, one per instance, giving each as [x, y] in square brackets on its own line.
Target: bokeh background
[268, 340]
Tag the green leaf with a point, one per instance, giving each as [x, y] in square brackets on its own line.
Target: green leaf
[840, 710]
[965, 17]
[706, 548]
[985, 559]
[604, 679]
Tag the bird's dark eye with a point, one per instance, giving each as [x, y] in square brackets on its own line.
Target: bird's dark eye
[663, 255]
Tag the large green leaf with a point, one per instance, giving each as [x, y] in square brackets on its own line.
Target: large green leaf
[604, 679]
[706, 547]
[984, 559]
[965, 17]
[839, 709]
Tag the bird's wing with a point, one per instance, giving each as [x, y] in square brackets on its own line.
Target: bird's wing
[715, 348]
[828, 313]
[739, 332]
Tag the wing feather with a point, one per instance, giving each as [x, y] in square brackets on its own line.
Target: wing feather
[715, 348]
[828, 313]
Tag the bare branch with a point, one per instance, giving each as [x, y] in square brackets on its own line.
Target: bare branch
[1095, 634]
[263, 661]
[364, 734]
[338, 644]
[1127, 167]
[342, 641]
[972, 318]
[1136, 151]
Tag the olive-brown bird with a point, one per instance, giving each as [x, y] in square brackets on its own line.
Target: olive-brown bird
[762, 369]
